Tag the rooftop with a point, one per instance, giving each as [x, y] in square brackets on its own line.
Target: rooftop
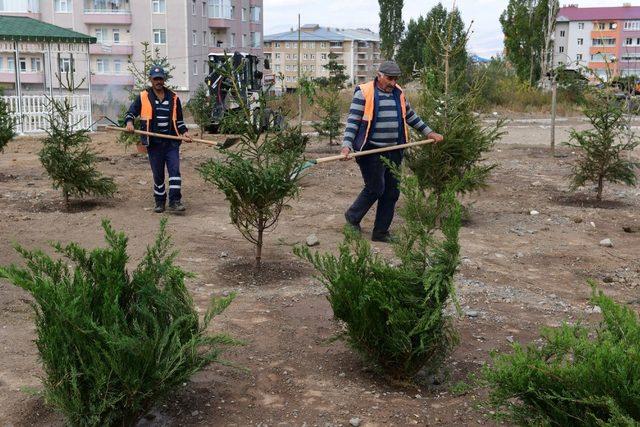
[23, 29]
[313, 32]
[575, 13]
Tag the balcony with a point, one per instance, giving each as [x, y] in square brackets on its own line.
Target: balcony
[107, 12]
[8, 76]
[220, 23]
[28, 8]
[110, 79]
[111, 49]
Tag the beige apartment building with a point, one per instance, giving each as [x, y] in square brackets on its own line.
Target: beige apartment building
[185, 31]
[357, 49]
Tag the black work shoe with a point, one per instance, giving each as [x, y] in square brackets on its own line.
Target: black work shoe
[177, 207]
[353, 225]
[384, 237]
[159, 209]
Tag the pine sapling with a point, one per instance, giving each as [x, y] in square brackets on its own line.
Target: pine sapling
[67, 158]
[113, 342]
[200, 107]
[261, 176]
[603, 150]
[6, 124]
[395, 315]
[447, 104]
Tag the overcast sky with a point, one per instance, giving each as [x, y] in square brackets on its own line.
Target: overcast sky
[486, 39]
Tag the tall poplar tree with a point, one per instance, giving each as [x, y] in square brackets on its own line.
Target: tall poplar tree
[391, 26]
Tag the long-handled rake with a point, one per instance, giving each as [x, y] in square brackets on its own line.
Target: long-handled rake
[230, 141]
[310, 163]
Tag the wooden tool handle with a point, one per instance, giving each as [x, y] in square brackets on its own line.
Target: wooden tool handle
[374, 151]
[159, 135]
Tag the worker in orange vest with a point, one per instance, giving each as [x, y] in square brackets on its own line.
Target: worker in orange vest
[379, 116]
[160, 111]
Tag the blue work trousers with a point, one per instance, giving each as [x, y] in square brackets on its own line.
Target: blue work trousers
[161, 155]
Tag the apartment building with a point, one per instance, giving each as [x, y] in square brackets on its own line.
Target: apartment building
[600, 38]
[185, 31]
[357, 49]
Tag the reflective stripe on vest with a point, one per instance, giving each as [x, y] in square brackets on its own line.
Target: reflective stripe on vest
[368, 90]
[146, 112]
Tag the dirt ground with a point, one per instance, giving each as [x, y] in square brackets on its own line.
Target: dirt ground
[518, 272]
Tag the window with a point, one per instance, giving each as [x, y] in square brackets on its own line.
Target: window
[254, 12]
[63, 6]
[288, 56]
[579, 57]
[116, 35]
[232, 12]
[580, 42]
[204, 38]
[204, 9]
[312, 56]
[159, 6]
[287, 45]
[36, 65]
[561, 49]
[11, 64]
[601, 26]
[195, 67]
[581, 25]
[1, 63]
[305, 56]
[631, 25]
[276, 44]
[220, 9]
[23, 65]
[276, 67]
[638, 41]
[255, 40]
[160, 36]
[561, 33]
[323, 44]
[323, 56]
[100, 33]
[102, 66]
[244, 40]
[604, 42]
[244, 14]
[193, 7]
[117, 66]
[277, 56]
[613, 25]
[194, 37]
[205, 69]
[232, 41]
[628, 41]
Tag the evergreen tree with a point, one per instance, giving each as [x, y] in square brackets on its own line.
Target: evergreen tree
[422, 46]
[261, 177]
[6, 124]
[326, 94]
[140, 74]
[522, 23]
[396, 315]
[67, 158]
[200, 107]
[458, 160]
[113, 342]
[391, 26]
[601, 149]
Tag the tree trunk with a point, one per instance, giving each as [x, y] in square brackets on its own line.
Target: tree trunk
[65, 194]
[259, 247]
[600, 184]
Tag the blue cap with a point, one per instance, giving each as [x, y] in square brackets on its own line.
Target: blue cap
[156, 71]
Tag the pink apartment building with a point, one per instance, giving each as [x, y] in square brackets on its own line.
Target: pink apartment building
[600, 38]
[186, 31]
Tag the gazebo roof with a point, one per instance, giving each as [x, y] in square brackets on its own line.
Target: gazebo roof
[24, 29]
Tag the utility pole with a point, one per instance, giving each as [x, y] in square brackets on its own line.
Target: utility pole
[299, 76]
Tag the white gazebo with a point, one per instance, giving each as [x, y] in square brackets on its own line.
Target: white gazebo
[47, 63]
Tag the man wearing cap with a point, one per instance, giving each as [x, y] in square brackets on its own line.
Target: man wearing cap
[160, 111]
[379, 116]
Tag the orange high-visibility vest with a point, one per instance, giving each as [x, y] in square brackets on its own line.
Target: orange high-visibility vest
[368, 90]
[146, 112]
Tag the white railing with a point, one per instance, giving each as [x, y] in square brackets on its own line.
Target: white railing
[32, 116]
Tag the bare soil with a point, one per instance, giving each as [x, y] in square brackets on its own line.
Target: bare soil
[518, 272]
